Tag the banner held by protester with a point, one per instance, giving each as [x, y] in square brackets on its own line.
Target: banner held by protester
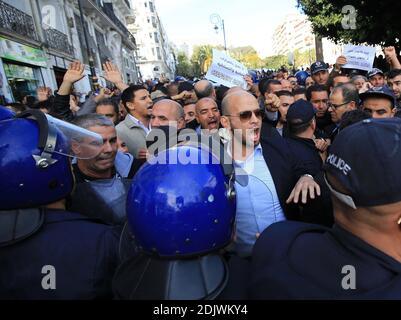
[359, 57]
[226, 71]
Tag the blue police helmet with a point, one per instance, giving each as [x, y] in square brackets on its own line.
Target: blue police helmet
[179, 210]
[34, 165]
[180, 78]
[6, 113]
[301, 77]
[253, 75]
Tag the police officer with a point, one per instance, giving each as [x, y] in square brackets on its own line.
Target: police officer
[360, 258]
[181, 213]
[47, 252]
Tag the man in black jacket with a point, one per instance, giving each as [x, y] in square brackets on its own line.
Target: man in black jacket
[274, 177]
[304, 145]
[301, 123]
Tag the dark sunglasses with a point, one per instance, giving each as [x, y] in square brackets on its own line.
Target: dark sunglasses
[247, 115]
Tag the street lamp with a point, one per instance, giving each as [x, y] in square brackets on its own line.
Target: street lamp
[219, 23]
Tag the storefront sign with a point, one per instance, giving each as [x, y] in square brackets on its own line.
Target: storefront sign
[19, 72]
[18, 52]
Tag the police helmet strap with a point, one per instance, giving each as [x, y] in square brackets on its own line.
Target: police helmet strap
[47, 138]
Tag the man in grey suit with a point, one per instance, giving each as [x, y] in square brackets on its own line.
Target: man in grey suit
[138, 104]
[133, 130]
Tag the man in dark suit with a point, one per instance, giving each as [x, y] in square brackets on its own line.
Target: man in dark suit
[274, 179]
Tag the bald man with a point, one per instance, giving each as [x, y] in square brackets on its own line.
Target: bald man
[274, 178]
[207, 114]
[205, 89]
[167, 113]
[232, 90]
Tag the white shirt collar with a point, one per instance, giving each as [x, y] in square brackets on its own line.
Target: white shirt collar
[138, 122]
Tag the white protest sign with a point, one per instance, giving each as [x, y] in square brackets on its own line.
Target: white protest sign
[359, 57]
[226, 71]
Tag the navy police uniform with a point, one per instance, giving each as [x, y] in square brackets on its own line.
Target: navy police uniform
[293, 260]
[84, 255]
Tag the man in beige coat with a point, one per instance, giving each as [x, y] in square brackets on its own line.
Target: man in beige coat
[133, 130]
[138, 104]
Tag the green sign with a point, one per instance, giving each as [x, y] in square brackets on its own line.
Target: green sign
[18, 52]
[13, 71]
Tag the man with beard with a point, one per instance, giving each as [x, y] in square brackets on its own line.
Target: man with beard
[274, 177]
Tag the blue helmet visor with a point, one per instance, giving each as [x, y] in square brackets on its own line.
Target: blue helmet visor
[83, 144]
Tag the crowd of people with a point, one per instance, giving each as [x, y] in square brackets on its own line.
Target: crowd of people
[306, 183]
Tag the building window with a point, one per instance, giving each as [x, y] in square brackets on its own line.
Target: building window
[158, 53]
[148, 20]
[146, 4]
[150, 35]
[156, 37]
[152, 9]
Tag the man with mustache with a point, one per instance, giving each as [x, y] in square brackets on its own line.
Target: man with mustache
[208, 115]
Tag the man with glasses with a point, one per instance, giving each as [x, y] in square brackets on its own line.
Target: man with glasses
[343, 98]
[360, 257]
[266, 172]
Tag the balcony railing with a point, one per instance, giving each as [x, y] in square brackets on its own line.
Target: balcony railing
[108, 10]
[58, 41]
[17, 21]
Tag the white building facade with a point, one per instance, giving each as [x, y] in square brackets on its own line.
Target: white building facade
[156, 57]
[40, 38]
[295, 33]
